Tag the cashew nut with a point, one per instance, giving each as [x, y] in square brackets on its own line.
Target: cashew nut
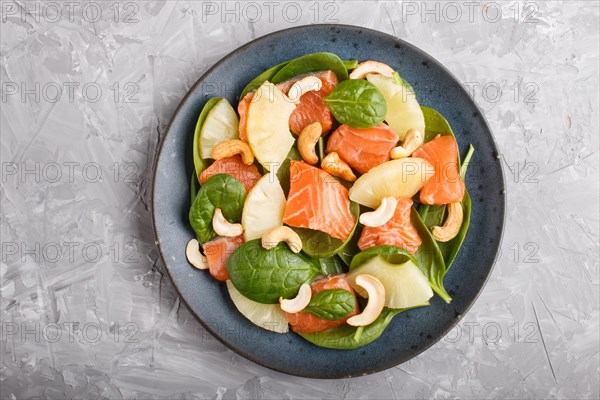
[194, 256]
[224, 227]
[412, 141]
[451, 225]
[232, 147]
[272, 237]
[381, 215]
[371, 67]
[299, 302]
[304, 85]
[334, 165]
[307, 140]
[375, 293]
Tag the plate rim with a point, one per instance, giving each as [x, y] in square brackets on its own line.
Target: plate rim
[249, 356]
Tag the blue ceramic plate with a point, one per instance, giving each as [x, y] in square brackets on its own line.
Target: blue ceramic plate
[410, 332]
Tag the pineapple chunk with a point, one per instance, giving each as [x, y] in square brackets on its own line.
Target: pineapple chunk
[403, 110]
[397, 178]
[405, 285]
[266, 316]
[268, 129]
[264, 207]
[221, 124]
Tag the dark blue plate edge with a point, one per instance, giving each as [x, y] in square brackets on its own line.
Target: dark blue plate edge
[243, 352]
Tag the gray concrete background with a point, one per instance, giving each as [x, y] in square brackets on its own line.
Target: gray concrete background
[87, 91]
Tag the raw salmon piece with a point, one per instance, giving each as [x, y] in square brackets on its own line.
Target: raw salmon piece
[217, 251]
[317, 201]
[398, 231]
[307, 323]
[248, 175]
[363, 149]
[243, 107]
[310, 109]
[446, 186]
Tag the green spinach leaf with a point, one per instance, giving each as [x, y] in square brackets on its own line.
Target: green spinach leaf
[435, 216]
[435, 124]
[265, 275]
[350, 249]
[331, 304]
[450, 248]
[312, 63]
[283, 172]
[391, 254]
[319, 244]
[348, 337]
[194, 187]
[432, 215]
[331, 265]
[199, 163]
[260, 79]
[358, 103]
[429, 257]
[219, 191]
[350, 64]
[466, 161]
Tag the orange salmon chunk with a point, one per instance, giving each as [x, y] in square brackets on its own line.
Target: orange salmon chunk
[446, 186]
[363, 149]
[248, 175]
[217, 252]
[312, 108]
[398, 231]
[317, 201]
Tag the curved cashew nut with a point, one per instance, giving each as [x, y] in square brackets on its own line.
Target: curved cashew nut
[271, 238]
[371, 67]
[304, 85]
[334, 165]
[299, 302]
[381, 215]
[376, 294]
[232, 147]
[451, 225]
[224, 227]
[307, 140]
[412, 141]
[194, 256]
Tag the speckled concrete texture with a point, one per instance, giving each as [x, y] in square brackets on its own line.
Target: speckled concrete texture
[88, 88]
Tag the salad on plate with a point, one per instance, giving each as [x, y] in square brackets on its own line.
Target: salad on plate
[328, 200]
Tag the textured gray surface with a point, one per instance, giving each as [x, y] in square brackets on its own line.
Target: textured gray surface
[86, 309]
